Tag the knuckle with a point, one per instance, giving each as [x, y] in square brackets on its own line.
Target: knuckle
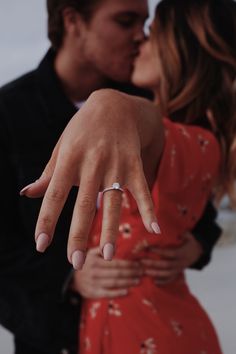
[148, 208]
[94, 264]
[165, 274]
[86, 203]
[109, 230]
[115, 283]
[135, 161]
[165, 264]
[45, 221]
[114, 204]
[171, 254]
[119, 273]
[100, 152]
[78, 239]
[56, 195]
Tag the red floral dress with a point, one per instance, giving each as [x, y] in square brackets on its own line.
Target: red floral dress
[152, 319]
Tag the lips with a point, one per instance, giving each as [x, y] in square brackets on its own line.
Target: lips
[134, 54]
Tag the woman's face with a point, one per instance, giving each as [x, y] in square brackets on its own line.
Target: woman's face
[146, 67]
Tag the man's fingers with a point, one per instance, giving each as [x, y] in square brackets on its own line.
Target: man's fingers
[110, 224]
[117, 273]
[108, 293]
[161, 273]
[159, 264]
[110, 283]
[167, 280]
[116, 264]
[168, 253]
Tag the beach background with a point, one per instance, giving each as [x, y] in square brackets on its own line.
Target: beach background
[23, 42]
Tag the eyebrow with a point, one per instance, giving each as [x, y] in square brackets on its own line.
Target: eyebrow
[131, 14]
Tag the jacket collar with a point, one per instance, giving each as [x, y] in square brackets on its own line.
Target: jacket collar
[53, 96]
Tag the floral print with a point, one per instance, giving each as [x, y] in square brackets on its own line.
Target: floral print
[153, 319]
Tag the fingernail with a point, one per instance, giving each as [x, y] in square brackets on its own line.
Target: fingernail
[22, 192]
[78, 259]
[108, 251]
[42, 242]
[155, 227]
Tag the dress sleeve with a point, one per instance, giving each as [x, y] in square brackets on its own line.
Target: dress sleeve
[188, 171]
[206, 231]
[190, 151]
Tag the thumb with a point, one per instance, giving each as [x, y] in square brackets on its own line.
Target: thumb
[38, 188]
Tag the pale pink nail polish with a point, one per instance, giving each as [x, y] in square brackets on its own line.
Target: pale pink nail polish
[78, 259]
[155, 227]
[42, 242]
[108, 251]
[22, 192]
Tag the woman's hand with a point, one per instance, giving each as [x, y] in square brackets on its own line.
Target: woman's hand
[101, 145]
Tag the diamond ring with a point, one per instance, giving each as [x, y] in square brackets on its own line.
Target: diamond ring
[116, 187]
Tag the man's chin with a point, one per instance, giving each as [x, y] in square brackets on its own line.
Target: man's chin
[123, 77]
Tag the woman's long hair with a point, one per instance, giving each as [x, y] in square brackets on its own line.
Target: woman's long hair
[196, 41]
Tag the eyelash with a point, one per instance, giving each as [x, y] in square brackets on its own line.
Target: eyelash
[125, 23]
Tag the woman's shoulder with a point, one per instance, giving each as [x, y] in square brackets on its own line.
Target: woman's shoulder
[190, 134]
[190, 149]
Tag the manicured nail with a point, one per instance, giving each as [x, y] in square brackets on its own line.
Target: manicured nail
[155, 227]
[42, 242]
[108, 251]
[78, 259]
[22, 192]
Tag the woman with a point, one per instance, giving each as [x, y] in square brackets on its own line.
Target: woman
[189, 64]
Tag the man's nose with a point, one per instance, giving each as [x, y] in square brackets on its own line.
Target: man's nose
[139, 35]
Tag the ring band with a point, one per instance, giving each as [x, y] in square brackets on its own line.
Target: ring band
[116, 187]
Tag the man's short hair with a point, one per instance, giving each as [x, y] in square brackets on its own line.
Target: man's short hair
[55, 20]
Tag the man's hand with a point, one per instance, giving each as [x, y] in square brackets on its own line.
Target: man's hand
[99, 278]
[111, 279]
[172, 260]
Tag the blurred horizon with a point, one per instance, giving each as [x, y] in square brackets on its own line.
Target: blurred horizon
[23, 36]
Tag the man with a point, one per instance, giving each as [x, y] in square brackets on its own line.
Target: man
[94, 43]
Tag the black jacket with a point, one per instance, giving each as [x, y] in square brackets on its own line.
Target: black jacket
[34, 304]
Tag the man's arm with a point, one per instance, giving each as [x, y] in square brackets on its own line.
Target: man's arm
[31, 305]
[206, 233]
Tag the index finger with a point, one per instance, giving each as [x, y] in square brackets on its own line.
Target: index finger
[52, 205]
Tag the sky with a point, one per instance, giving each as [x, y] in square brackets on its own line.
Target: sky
[23, 37]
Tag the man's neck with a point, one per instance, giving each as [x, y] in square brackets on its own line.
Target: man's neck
[79, 80]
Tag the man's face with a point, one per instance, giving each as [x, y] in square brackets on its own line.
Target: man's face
[111, 39]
